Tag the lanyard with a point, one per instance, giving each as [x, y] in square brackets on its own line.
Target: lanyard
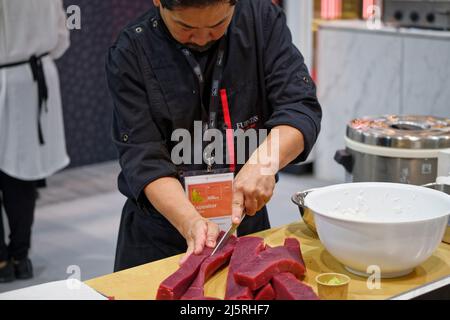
[229, 126]
[210, 119]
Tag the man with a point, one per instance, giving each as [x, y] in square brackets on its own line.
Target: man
[164, 73]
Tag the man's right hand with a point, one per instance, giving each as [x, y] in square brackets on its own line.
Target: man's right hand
[168, 197]
[199, 232]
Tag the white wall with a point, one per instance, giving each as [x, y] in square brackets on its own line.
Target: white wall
[300, 14]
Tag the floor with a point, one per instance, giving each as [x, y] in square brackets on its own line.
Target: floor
[78, 214]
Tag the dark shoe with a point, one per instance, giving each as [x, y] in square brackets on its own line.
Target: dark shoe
[7, 273]
[23, 269]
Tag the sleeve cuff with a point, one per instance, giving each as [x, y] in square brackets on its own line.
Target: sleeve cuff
[301, 121]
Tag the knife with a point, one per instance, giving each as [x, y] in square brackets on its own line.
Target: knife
[227, 235]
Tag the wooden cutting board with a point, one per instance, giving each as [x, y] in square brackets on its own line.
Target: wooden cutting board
[141, 283]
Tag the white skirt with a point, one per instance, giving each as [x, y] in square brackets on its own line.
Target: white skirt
[21, 154]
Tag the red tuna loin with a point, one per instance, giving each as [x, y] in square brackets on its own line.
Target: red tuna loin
[259, 271]
[174, 286]
[247, 248]
[266, 293]
[208, 268]
[288, 287]
[293, 246]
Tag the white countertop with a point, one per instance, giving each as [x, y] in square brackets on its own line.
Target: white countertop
[70, 289]
[362, 26]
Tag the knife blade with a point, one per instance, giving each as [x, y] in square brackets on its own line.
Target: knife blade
[227, 235]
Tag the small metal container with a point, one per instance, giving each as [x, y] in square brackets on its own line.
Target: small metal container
[306, 213]
[439, 187]
[446, 189]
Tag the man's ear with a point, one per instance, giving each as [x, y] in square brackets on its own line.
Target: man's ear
[157, 3]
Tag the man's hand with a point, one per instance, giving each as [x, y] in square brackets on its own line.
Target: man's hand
[199, 232]
[252, 191]
[254, 185]
[168, 197]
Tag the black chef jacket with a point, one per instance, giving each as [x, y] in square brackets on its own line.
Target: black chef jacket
[155, 92]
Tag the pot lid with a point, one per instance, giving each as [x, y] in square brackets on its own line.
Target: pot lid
[405, 132]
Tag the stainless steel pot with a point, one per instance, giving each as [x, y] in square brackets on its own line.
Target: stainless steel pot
[400, 149]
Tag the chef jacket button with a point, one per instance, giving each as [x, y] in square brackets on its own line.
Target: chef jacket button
[125, 138]
[138, 29]
[306, 79]
[155, 24]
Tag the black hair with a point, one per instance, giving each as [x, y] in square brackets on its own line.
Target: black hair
[172, 4]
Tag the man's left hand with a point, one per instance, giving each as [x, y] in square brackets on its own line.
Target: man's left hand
[253, 189]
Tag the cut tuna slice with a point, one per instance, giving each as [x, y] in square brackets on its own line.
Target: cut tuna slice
[208, 268]
[259, 271]
[288, 287]
[266, 293]
[247, 248]
[173, 287]
[293, 246]
[176, 284]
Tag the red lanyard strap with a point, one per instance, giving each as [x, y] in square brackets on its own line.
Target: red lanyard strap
[229, 130]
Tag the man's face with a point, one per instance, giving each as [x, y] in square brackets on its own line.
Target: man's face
[197, 28]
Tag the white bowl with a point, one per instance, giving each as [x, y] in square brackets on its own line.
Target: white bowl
[393, 227]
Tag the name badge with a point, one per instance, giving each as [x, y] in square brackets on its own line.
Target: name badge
[212, 196]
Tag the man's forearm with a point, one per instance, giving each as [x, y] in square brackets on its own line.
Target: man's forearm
[168, 197]
[283, 145]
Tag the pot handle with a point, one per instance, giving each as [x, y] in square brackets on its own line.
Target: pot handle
[345, 158]
[299, 198]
